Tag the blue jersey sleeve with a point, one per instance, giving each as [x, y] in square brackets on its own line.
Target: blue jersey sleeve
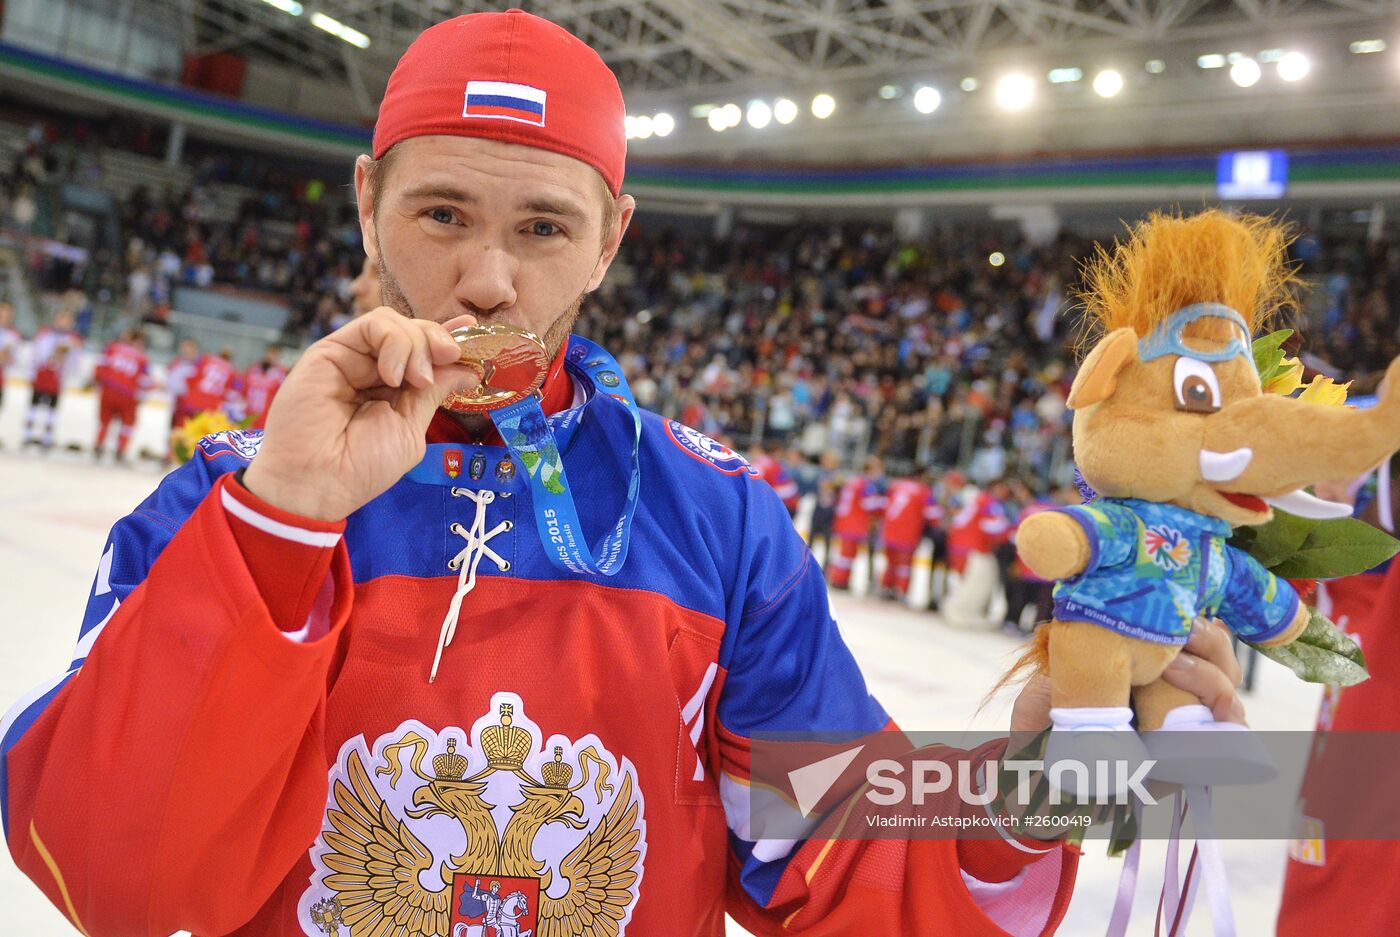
[1257, 605]
[787, 670]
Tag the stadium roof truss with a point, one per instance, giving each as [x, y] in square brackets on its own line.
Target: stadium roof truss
[715, 46]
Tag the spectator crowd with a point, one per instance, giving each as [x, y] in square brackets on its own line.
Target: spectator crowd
[929, 374]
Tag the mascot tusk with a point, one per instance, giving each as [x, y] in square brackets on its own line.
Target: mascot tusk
[1224, 466]
[1303, 504]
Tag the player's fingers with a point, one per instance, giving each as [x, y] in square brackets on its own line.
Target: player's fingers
[441, 344]
[391, 353]
[1208, 683]
[418, 370]
[417, 404]
[379, 338]
[1210, 640]
[1031, 711]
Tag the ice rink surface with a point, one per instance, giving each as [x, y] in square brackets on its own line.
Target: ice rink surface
[55, 511]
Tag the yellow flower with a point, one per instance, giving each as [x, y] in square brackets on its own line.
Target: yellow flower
[1288, 380]
[1325, 391]
[184, 440]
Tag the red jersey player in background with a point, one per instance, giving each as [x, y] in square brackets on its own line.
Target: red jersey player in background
[1024, 589]
[860, 502]
[1331, 880]
[121, 376]
[10, 340]
[213, 382]
[53, 358]
[909, 511]
[771, 469]
[979, 526]
[260, 385]
[177, 380]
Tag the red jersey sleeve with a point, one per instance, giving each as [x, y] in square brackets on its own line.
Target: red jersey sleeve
[176, 773]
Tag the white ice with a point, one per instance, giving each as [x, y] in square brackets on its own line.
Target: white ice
[55, 511]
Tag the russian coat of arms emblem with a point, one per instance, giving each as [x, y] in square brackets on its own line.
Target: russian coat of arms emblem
[496, 831]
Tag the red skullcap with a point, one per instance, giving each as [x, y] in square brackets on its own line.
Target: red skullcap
[511, 77]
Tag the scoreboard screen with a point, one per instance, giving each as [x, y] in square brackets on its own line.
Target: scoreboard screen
[1244, 174]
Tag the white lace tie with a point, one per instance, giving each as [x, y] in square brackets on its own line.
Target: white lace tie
[466, 562]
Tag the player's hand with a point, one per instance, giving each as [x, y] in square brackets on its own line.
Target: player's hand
[351, 417]
[1206, 668]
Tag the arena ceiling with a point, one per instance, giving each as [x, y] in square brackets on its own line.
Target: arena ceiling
[714, 46]
[683, 57]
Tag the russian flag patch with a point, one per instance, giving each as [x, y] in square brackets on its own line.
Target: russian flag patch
[504, 100]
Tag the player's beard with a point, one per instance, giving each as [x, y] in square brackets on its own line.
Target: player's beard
[477, 424]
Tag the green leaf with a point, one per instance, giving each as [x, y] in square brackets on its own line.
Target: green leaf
[1321, 654]
[1276, 541]
[1268, 354]
[1340, 547]
[1123, 830]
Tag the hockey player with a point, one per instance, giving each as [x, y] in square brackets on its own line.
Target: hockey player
[364, 289]
[860, 502]
[10, 341]
[212, 384]
[316, 660]
[980, 525]
[771, 469]
[260, 385]
[828, 483]
[909, 511]
[121, 376]
[1330, 878]
[53, 362]
[177, 380]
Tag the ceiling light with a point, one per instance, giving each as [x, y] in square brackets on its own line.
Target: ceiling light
[1268, 56]
[1210, 60]
[784, 111]
[1234, 57]
[716, 120]
[338, 29]
[889, 92]
[926, 99]
[662, 124]
[731, 114]
[1155, 66]
[1294, 66]
[629, 125]
[286, 6]
[968, 84]
[642, 127]
[1061, 76]
[1108, 83]
[823, 106]
[996, 259]
[1245, 73]
[1367, 46]
[702, 111]
[759, 114]
[1015, 92]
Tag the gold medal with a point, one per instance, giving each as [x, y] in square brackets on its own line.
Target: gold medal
[511, 362]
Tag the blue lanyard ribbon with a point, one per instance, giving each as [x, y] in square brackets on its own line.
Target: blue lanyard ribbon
[531, 441]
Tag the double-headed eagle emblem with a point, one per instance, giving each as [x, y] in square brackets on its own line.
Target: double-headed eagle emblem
[517, 811]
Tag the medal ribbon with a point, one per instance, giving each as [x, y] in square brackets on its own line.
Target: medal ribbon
[527, 434]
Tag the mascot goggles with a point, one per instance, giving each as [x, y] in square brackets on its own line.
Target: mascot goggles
[1169, 339]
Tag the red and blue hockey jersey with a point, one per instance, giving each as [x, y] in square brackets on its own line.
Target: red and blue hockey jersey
[246, 741]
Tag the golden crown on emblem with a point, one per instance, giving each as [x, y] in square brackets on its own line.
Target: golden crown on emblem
[450, 766]
[556, 773]
[505, 745]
